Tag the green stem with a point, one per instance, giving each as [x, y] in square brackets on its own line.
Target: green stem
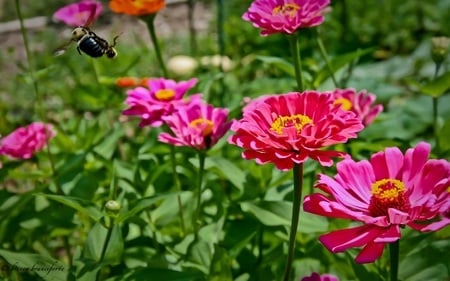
[298, 184]
[295, 51]
[105, 245]
[192, 31]
[40, 102]
[149, 20]
[324, 55]
[435, 112]
[178, 187]
[201, 168]
[394, 254]
[221, 43]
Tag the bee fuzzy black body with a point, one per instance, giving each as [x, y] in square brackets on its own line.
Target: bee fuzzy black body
[91, 44]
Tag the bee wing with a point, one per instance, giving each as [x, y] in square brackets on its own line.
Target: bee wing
[62, 49]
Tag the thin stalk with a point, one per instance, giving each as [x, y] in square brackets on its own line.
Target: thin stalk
[435, 111]
[324, 55]
[192, 31]
[149, 20]
[198, 191]
[40, 102]
[394, 254]
[295, 51]
[178, 187]
[105, 245]
[298, 185]
[221, 43]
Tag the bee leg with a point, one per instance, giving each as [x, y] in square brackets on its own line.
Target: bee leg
[115, 40]
[78, 49]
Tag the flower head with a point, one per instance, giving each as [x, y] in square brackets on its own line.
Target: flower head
[79, 14]
[361, 103]
[285, 16]
[161, 98]
[290, 128]
[25, 141]
[389, 191]
[197, 125]
[317, 277]
[136, 7]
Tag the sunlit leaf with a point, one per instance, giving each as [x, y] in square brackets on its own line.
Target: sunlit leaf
[279, 63]
[83, 206]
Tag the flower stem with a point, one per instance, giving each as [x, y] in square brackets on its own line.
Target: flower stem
[40, 102]
[324, 54]
[298, 184]
[295, 51]
[201, 168]
[178, 187]
[149, 20]
[394, 253]
[435, 112]
[192, 31]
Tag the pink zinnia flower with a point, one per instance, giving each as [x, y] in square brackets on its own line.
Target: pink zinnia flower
[290, 128]
[197, 125]
[389, 191]
[161, 99]
[25, 141]
[285, 16]
[80, 13]
[361, 103]
[317, 277]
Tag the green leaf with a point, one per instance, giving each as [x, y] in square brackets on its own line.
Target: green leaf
[140, 205]
[109, 145]
[83, 206]
[436, 87]
[275, 213]
[46, 267]
[337, 63]
[280, 63]
[96, 241]
[160, 274]
[230, 171]
[220, 269]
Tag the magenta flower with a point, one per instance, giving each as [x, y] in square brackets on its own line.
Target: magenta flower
[317, 277]
[197, 125]
[389, 191]
[290, 128]
[79, 14]
[25, 141]
[161, 99]
[361, 103]
[285, 16]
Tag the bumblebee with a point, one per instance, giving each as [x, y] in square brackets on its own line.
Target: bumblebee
[93, 45]
[90, 43]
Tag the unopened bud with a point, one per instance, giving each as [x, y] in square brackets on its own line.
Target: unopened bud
[112, 208]
[439, 48]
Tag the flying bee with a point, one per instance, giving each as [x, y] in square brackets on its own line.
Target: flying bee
[90, 43]
[93, 45]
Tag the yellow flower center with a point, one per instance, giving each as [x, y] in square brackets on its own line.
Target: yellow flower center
[297, 121]
[345, 104]
[388, 193]
[165, 94]
[289, 9]
[205, 125]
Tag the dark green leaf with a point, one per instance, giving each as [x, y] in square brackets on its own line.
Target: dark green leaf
[83, 206]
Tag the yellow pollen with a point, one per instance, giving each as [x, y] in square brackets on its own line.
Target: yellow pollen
[388, 189]
[205, 125]
[345, 104]
[297, 121]
[286, 9]
[165, 94]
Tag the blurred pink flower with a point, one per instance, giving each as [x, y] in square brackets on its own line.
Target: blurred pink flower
[361, 103]
[197, 125]
[80, 13]
[317, 277]
[25, 141]
[285, 16]
[290, 128]
[389, 191]
[161, 98]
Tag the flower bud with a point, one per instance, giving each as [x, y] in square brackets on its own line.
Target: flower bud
[439, 48]
[112, 208]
